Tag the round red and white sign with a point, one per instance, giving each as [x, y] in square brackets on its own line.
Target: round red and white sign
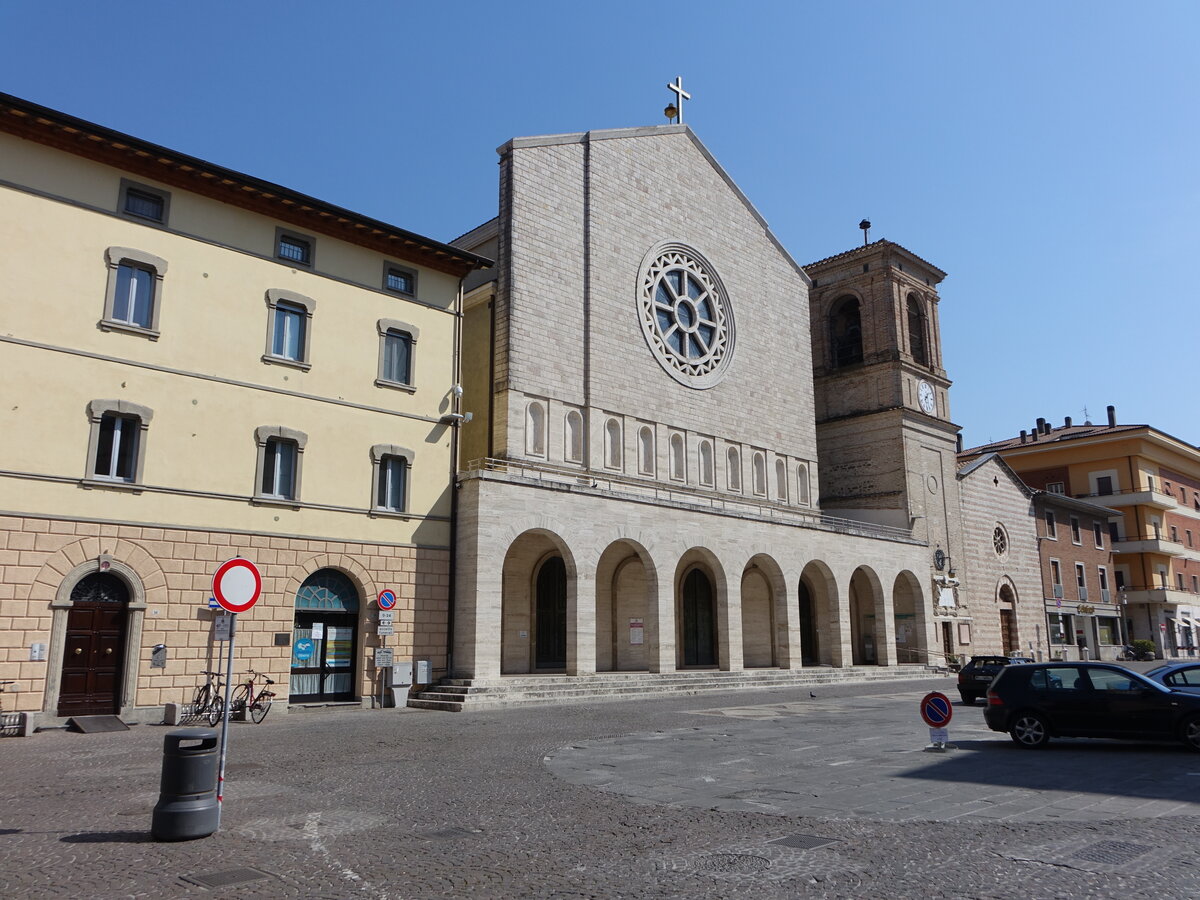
[237, 584]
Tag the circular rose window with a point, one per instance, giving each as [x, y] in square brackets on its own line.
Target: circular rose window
[685, 315]
[1000, 541]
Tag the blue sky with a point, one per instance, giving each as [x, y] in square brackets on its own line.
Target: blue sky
[1043, 154]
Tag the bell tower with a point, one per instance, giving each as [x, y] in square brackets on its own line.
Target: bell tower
[886, 447]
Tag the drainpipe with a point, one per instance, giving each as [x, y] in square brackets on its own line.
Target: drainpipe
[455, 404]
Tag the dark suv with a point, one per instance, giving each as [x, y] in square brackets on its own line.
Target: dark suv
[1035, 702]
[975, 676]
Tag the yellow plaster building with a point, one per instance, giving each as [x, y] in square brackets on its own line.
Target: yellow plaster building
[197, 365]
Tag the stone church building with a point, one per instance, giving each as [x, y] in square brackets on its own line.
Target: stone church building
[685, 450]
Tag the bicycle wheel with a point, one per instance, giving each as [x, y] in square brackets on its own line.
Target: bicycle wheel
[239, 700]
[260, 708]
[216, 710]
[202, 699]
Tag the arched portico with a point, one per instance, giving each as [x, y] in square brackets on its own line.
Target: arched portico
[911, 620]
[820, 623]
[538, 596]
[765, 638]
[868, 623]
[626, 586]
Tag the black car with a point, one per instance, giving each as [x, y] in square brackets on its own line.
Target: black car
[1036, 702]
[1181, 676]
[975, 676]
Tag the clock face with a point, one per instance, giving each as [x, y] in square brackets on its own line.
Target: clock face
[925, 396]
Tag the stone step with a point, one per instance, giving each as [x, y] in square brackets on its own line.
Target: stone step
[457, 694]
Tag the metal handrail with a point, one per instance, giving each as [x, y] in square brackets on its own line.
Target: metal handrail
[707, 499]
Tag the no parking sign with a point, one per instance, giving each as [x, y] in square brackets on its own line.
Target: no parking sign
[387, 599]
[937, 713]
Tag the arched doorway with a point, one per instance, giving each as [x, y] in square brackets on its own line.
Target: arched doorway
[865, 625]
[1009, 642]
[550, 615]
[324, 639]
[698, 622]
[810, 650]
[94, 649]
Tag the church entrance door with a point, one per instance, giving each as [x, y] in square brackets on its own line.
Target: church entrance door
[809, 652]
[95, 647]
[551, 649]
[699, 621]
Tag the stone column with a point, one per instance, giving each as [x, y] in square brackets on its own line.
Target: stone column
[729, 623]
[660, 617]
[581, 619]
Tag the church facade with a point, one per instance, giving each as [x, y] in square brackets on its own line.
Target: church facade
[652, 478]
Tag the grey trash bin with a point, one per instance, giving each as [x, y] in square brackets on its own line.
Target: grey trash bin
[187, 804]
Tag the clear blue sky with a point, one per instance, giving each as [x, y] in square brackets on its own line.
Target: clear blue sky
[1043, 154]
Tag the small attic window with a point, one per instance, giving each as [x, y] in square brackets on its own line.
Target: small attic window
[866, 267]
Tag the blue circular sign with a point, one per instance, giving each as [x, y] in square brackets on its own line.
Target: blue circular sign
[387, 599]
[936, 709]
[302, 649]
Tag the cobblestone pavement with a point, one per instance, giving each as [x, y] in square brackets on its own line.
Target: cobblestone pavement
[766, 794]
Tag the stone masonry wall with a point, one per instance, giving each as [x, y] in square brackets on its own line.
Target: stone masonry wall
[175, 567]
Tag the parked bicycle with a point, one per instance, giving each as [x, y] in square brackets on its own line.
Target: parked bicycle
[7, 726]
[245, 699]
[209, 700]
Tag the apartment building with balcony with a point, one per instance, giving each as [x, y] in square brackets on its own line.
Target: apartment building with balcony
[199, 364]
[1152, 481]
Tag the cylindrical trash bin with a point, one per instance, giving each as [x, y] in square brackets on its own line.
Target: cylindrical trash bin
[187, 803]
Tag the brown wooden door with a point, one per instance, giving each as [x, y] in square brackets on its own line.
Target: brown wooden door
[95, 648]
[1008, 631]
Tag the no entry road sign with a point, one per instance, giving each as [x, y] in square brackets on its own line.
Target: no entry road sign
[936, 709]
[237, 584]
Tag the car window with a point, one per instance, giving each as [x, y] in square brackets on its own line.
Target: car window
[1108, 680]
[1055, 678]
[1187, 677]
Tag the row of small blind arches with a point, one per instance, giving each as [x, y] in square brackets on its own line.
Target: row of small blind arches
[535, 445]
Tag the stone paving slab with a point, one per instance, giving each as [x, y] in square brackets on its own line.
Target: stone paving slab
[656, 798]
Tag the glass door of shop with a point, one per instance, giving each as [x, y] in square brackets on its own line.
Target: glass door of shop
[324, 639]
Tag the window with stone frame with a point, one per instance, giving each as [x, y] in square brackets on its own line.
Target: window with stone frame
[280, 463]
[390, 479]
[802, 488]
[289, 321]
[133, 297]
[116, 444]
[397, 355]
[781, 485]
[759, 466]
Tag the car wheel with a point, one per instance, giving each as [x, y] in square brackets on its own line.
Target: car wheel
[1029, 731]
[968, 699]
[1190, 733]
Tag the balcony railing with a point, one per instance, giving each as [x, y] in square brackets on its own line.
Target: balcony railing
[1142, 496]
[1148, 543]
[710, 500]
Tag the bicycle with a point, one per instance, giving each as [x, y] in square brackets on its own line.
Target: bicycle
[244, 699]
[5, 724]
[209, 701]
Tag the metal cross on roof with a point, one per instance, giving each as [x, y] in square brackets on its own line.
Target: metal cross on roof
[680, 95]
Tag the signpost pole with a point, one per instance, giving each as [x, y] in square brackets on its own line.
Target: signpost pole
[225, 719]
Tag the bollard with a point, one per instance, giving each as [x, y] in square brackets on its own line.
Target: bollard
[187, 804]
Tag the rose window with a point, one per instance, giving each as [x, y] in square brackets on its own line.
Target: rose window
[685, 314]
[1000, 541]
